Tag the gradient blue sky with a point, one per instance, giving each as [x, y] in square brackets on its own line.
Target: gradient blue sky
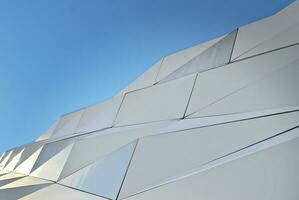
[60, 55]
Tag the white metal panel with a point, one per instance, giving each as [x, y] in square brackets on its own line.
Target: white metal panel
[214, 85]
[161, 157]
[19, 192]
[14, 161]
[178, 59]
[52, 159]
[215, 56]
[280, 89]
[59, 192]
[67, 124]
[267, 174]
[146, 79]
[52, 168]
[160, 102]
[105, 176]
[251, 35]
[95, 146]
[99, 116]
[283, 39]
[49, 133]
[13, 157]
[27, 163]
[25, 181]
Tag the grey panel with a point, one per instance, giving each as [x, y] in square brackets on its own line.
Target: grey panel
[105, 176]
[251, 35]
[67, 124]
[214, 85]
[215, 56]
[52, 159]
[24, 181]
[59, 192]
[6, 158]
[286, 38]
[190, 123]
[19, 192]
[170, 155]
[146, 79]
[95, 146]
[178, 59]
[160, 102]
[280, 89]
[267, 174]
[13, 158]
[100, 115]
[28, 159]
[49, 133]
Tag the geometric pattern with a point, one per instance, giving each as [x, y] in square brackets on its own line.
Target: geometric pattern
[219, 120]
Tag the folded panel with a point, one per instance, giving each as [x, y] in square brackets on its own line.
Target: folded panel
[279, 89]
[27, 162]
[160, 102]
[283, 39]
[99, 144]
[253, 34]
[165, 157]
[52, 159]
[104, 177]
[146, 79]
[59, 192]
[49, 133]
[215, 56]
[19, 192]
[25, 181]
[15, 159]
[214, 85]
[67, 124]
[178, 59]
[267, 174]
[99, 116]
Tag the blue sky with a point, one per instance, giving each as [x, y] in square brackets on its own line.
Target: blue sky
[60, 55]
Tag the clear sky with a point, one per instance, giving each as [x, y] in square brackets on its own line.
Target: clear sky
[60, 55]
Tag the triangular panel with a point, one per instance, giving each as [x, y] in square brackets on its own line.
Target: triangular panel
[104, 177]
[215, 56]
[274, 91]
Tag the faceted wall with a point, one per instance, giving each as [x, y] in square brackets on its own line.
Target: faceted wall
[216, 121]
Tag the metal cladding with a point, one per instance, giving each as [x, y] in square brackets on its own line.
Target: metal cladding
[219, 120]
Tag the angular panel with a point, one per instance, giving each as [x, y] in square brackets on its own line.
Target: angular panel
[146, 79]
[214, 85]
[5, 158]
[52, 159]
[15, 152]
[160, 102]
[49, 133]
[286, 38]
[19, 192]
[267, 174]
[178, 59]
[67, 124]
[9, 178]
[94, 147]
[59, 192]
[251, 35]
[280, 89]
[99, 116]
[105, 176]
[25, 181]
[15, 158]
[171, 155]
[27, 161]
[215, 56]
